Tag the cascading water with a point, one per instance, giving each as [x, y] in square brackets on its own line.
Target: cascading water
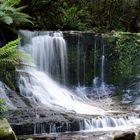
[39, 87]
[3, 95]
[109, 123]
[101, 123]
[100, 88]
[37, 84]
[80, 72]
[50, 55]
[102, 69]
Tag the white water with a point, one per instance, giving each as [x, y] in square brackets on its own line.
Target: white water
[40, 87]
[102, 69]
[109, 122]
[100, 88]
[95, 79]
[3, 95]
[50, 55]
[47, 92]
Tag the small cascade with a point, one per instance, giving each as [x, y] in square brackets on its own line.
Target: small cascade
[42, 127]
[108, 122]
[39, 128]
[68, 127]
[80, 89]
[102, 123]
[80, 68]
[102, 68]
[52, 127]
[100, 88]
[4, 90]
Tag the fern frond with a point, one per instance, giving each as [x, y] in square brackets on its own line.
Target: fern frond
[10, 14]
[12, 43]
[10, 55]
[20, 8]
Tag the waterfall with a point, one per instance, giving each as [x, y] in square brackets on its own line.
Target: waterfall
[102, 123]
[102, 68]
[43, 83]
[4, 90]
[100, 88]
[50, 55]
[109, 123]
[95, 78]
[38, 85]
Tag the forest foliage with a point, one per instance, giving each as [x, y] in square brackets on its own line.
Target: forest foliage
[3, 107]
[94, 15]
[11, 19]
[123, 49]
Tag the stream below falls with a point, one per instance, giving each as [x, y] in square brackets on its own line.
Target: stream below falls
[64, 88]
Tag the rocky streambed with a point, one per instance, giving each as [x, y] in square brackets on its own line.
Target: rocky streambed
[28, 119]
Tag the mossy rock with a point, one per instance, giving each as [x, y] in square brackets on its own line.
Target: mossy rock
[125, 136]
[138, 136]
[6, 132]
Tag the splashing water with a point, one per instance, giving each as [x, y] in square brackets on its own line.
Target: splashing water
[38, 84]
[50, 56]
[3, 95]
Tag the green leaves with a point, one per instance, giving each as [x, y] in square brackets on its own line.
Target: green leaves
[2, 107]
[10, 55]
[10, 58]
[7, 19]
[73, 18]
[125, 48]
[10, 14]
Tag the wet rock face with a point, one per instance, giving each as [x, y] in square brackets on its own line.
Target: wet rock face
[31, 121]
[125, 136]
[45, 127]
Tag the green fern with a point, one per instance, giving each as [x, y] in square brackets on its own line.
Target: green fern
[10, 58]
[10, 14]
[2, 108]
[10, 55]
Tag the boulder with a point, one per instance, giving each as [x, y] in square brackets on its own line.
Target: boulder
[125, 136]
[6, 132]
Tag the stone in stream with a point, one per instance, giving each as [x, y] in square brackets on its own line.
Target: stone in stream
[125, 136]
